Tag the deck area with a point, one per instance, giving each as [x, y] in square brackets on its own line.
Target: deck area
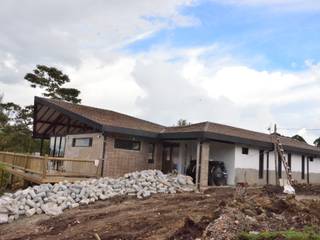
[45, 169]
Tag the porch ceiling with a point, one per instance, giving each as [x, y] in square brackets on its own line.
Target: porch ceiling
[50, 120]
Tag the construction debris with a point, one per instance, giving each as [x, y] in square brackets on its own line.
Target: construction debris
[54, 199]
[260, 213]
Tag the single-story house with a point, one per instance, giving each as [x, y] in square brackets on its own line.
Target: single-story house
[124, 144]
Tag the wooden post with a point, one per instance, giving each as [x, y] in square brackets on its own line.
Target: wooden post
[26, 162]
[13, 160]
[103, 154]
[44, 166]
[9, 183]
[2, 176]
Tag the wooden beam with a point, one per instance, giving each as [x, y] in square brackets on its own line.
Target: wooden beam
[54, 112]
[45, 112]
[65, 125]
[53, 125]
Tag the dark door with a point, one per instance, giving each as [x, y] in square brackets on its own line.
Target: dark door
[167, 159]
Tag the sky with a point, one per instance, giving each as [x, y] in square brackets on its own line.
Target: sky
[245, 63]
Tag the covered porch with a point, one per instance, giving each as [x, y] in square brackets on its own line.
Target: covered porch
[201, 160]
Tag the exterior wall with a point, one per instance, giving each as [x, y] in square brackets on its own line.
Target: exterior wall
[92, 153]
[121, 161]
[240, 167]
[314, 168]
[247, 168]
[225, 153]
[117, 161]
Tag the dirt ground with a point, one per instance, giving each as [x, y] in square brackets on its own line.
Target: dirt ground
[178, 216]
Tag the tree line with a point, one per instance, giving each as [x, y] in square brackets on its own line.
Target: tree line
[16, 121]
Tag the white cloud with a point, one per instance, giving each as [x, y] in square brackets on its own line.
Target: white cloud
[108, 85]
[290, 5]
[199, 89]
[163, 84]
[63, 32]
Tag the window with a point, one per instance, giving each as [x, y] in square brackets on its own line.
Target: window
[289, 160]
[279, 166]
[261, 163]
[151, 149]
[302, 167]
[245, 150]
[81, 142]
[127, 144]
[57, 146]
[52, 145]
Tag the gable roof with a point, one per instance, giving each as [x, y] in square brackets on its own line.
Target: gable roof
[81, 118]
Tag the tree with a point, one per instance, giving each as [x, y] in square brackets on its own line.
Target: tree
[317, 142]
[298, 138]
[52, 80]
[3, 117]
[183, 122]
[15, 128]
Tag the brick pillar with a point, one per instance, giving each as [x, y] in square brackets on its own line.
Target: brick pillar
[204, 165]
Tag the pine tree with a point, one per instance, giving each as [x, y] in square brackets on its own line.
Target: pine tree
[52, 80]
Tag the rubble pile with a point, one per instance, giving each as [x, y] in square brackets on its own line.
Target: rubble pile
[54, 199]
[263, 213]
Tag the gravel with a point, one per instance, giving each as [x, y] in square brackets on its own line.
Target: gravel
[54, 199]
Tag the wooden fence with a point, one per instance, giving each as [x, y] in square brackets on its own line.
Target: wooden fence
[42, 169]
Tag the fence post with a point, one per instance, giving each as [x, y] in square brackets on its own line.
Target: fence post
[13, 160]
[45, 165]
[26, 163]
[2, 176]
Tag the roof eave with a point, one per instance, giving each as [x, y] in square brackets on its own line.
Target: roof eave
[129, 131]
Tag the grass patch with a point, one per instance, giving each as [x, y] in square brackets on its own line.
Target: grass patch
[4, 177]
[307, 234]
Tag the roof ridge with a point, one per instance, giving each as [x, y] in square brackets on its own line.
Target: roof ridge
[185, 126]
[206, 126]
[238, 128]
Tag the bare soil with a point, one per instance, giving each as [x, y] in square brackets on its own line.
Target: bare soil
[157, 217]
[162, 216]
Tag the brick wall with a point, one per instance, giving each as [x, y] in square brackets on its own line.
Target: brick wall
[121, 161]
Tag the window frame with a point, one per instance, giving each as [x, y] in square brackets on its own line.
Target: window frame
[118, 140]
[74, 140]
[57, 145]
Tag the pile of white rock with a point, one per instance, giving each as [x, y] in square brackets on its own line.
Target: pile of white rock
[53, 199]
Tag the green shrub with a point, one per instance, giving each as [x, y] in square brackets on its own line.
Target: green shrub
[4, 178]
[307, 234]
